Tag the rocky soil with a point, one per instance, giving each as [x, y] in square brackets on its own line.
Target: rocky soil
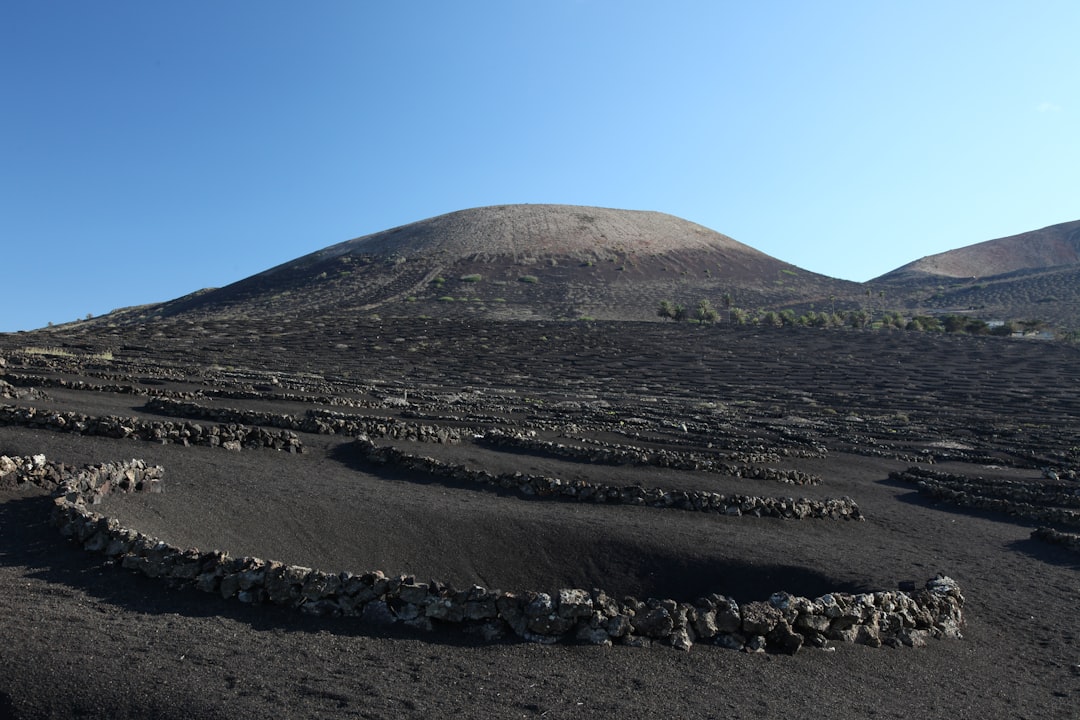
[959, 454]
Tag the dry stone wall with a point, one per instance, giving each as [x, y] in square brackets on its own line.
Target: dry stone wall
[231, 436]
[40, 381]
[12, 392]
[783, 623]
[1070, 541]
[543, 486]
[612, 454]
[1050, 503]
[323, 422]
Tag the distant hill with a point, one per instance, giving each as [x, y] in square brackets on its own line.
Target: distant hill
[564, 262]
[1030, 276]
[1051, 247]
[516, 262]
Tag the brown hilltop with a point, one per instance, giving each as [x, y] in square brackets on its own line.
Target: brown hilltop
[1031, 276]
[516, 262]
[1051, 247]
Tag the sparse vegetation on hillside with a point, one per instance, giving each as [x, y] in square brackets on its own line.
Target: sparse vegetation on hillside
[705, 314]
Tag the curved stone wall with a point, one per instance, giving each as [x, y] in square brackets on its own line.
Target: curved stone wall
[1041, 502]
[783, 623]
[538, 485]
[1070, 541]
[611, 454]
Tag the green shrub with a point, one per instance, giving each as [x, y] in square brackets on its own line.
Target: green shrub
[529, 279]
[470, 278]
[706, 313]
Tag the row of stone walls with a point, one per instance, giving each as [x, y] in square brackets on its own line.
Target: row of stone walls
[40, 381]
[1031, 501]
[1023, 491]
[612, 454]
[230, 436]
[542, 486]
[783, 623]
[322, 422]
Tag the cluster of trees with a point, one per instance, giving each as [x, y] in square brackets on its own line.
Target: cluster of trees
[704, 313]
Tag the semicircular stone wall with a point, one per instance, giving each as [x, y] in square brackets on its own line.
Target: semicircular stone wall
[782, 622]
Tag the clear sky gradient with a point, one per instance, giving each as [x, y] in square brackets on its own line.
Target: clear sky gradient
[150, 149]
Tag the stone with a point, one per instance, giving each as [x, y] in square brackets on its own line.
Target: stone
[618, 625]
[483, 609]
[208, 582]
[759, 618]
[592, 635]
[282, 584]
[731, 641]
[511, 610]
[784, 639]
[681, 639]
[728, 614]
[704, 623]
[252, 596]
[636, 641]
[408, 611]
[444, 608]
[944, 586]
[755, 644]
[542, 617]
[377, 612]
[867, 635]
[415, 593]
[320, 585]
[912, 638]
[653, 622]
[230, 585]
[253, 577]
[812, 623]
[574, 604]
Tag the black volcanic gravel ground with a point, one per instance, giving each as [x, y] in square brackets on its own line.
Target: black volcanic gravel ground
[84, 639]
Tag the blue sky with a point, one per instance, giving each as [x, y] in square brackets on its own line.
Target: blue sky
[150, 149]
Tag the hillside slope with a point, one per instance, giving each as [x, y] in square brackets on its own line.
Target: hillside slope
[1033, 276]
[516, 262]
[1049, 247]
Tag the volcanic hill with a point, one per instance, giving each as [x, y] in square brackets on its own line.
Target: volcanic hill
[1033, 275]
[1051, 247]
[514, 262]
